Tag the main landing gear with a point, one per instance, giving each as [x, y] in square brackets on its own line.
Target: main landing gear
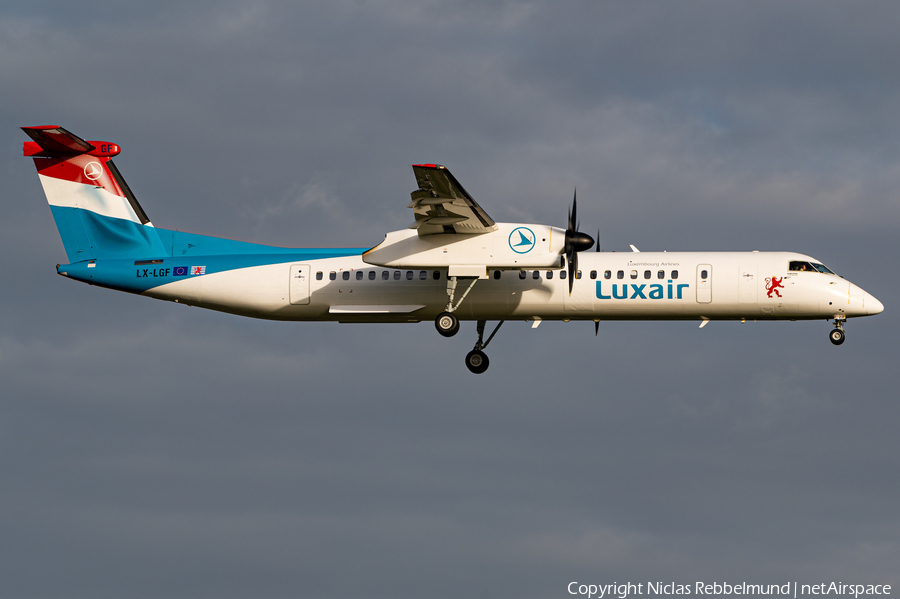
[446, 323]
[476, 360]
[837, 333]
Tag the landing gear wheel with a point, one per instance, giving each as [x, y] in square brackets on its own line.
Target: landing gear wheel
[477, 361]
[836, 336]
[446, 324]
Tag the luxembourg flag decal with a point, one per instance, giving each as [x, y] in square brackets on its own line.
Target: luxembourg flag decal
[198, 270]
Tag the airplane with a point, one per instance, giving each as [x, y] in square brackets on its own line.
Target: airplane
[453, 263]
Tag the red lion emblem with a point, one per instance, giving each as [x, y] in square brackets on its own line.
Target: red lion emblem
[772, 285]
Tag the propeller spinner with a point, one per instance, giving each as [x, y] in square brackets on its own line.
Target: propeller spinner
[576, 241]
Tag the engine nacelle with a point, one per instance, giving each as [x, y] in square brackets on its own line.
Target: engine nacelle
[511, 247]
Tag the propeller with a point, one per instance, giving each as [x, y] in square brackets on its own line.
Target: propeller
[597, 322]
[575, 242]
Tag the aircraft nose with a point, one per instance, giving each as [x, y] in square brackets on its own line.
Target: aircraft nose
[873, 306]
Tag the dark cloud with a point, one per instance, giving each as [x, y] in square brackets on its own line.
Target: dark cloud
[152, 449]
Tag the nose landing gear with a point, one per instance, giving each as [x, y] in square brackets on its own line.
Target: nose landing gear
[837, 334]
[476, 360]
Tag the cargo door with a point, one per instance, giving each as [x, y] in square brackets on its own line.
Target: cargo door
[299, 283]
[704, 283]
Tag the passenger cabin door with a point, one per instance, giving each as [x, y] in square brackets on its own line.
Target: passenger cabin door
[299, 283]
[704, 283]
[583, 293]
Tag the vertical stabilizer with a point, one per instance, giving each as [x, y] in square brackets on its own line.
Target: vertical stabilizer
[96, 213]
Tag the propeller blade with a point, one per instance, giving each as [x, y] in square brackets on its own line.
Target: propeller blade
[573, 268]
[573, 216]
[596, 327]
[598, 239]
[575, 241]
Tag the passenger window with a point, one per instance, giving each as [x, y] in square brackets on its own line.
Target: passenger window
[436, 275]
[703, 274]
[332, 275]
[661, 274]
[423, 275]
[577, 275]
[562, 274]
[620, 274]
[359, 275]
[522, 274]
[371, 275]
[496, 274]
[607, 274]
[633, 274]
[396, 275]
[536, 274]
[409, 275]
[345, 275]
[594, 274]
[646, 274]
[319, 276]
[549, 274]
[385, 275]
[674, 274]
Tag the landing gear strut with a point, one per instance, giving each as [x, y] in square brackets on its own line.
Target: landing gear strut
[476, 360]
[446, 323]
[837, 333]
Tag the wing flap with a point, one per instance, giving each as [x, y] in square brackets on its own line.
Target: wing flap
[442, 205]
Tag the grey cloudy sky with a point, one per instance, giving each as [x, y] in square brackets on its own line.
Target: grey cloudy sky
[154, 450]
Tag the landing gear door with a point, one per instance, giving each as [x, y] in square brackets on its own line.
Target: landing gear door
[299, 283]
[704, 284]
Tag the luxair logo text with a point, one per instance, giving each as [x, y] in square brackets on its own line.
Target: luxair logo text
[645, 291]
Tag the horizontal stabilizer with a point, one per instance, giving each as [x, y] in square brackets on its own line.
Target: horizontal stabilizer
[55, 140]
[52, 141]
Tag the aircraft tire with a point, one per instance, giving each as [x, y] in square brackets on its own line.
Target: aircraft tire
[446, 324]
[836, 336]
[477, 361]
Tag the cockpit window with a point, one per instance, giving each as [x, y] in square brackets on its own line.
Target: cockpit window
[801, 266]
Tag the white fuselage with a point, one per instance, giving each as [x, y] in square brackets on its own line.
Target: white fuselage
[653, 286]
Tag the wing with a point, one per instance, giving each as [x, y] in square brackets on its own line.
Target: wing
[441, 205]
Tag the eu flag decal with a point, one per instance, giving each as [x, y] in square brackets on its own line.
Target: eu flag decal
[180, 271]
